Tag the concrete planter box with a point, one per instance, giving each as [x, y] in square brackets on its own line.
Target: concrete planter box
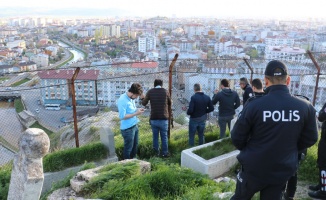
[213, 167]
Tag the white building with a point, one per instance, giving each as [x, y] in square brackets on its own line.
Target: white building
[82, 33]
[146, 43]
[17, 43]
[221, 46]
[279, 41]
[41, 60]
[285, 53]
[193, 29]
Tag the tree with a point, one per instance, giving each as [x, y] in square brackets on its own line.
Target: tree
[253, 53]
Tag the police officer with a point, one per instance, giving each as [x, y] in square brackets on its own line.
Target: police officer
[247, 90]
[319, 191]
[269, 133]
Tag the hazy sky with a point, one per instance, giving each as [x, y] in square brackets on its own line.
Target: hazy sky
[181, 8]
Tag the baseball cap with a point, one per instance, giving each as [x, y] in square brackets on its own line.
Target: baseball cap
[276, 68]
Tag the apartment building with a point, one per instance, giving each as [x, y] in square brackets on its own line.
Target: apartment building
[279, 41]
[285, 53]
[27, 66]
[146, 43]
[17, 43]
[193, 29]
[41, 60]
[183, 44]
[56, 89]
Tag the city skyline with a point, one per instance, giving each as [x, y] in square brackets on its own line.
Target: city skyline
[276, 9]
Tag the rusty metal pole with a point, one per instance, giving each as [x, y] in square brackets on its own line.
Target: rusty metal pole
[317, 79]
[170, 91]
[252, 71]
[73, 96]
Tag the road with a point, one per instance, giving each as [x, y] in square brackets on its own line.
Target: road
[49, 118]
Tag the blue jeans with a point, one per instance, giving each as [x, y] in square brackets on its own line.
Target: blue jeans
[160, 127]
[130, 140]
[198, 126]
[222, 121]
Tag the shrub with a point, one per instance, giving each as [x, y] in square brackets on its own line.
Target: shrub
[72, 157]
[5, 173]
[181, 119]
[164, 182]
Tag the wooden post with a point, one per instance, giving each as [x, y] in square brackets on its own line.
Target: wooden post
[170, 91]
[74, 105]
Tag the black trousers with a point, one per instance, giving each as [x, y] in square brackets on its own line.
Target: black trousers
[246, 189]
[321, 160]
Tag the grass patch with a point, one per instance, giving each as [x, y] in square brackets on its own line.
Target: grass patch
[63, 159]
[25, 80]
[5, 173]
[165, 181]
[217, 149]
[18, 105]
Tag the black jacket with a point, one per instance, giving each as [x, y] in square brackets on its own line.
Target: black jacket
[269, 133]
[200, 104]
[322, 118]
[247, 94]
[228, 101]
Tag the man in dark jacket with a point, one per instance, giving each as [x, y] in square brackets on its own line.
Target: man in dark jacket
[320, 190]
[228, 101]
[247, 90]
[200, 104]
[269, 133]
[160, 99]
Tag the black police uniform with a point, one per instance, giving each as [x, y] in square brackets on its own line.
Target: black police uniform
[269, 133]
[321, 160]
[247, 94]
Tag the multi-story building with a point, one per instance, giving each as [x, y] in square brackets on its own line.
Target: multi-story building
[41, 60]
[27, 66]
[279, 41]
[17, 43]
[111, 30]
[194, 29]
[82, 33]
[183, 44]
[285, 53]
[56, 87]
[221, 46]
[146, 43]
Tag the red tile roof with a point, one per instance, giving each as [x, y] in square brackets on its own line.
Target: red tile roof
[145, 65]
[67, 74]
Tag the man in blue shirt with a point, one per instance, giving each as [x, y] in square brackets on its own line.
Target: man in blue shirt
[128, 115]
[200, 104]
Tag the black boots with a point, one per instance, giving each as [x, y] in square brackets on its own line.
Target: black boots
[318, 194]
[319, 191]
[314, 187]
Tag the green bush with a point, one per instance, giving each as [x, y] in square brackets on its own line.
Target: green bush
[18, 105]
[5, 173]
[73, 157]
[164, 182]
[181, 119]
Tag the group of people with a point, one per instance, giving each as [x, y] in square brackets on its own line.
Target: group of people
[271, 132]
